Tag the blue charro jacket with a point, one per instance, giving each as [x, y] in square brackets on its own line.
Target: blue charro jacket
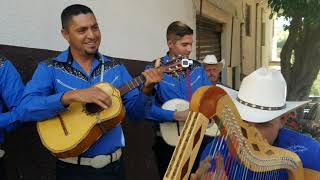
[172, 86]
[11, 90]
[54, 77]
[305, 147]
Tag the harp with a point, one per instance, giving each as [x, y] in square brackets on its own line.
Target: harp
[245, 144]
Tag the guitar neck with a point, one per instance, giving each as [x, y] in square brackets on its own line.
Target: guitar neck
[169, 67]
[137, 81]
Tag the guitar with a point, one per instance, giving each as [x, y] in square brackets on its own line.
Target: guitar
[171, 131]
[71, 133]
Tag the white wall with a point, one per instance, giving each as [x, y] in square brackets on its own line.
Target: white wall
[133, 29]
[267, 58]
[250, 47]
[248, 55]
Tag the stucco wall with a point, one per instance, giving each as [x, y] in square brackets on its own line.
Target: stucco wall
[133, 29]
[267, 52]
[254, 54]
[249, 48]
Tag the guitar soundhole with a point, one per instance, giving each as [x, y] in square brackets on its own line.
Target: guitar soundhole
[92, 108]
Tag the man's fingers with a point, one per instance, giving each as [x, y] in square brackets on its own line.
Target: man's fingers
[105, 99]
[152, 76]
[194, 177]
[100, 97]
[156, 76]
[101, 104]
[147, 76]
[108, 101]
[157, 63]
[204, 165]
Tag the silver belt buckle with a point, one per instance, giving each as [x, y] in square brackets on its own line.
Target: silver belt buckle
[100, 161]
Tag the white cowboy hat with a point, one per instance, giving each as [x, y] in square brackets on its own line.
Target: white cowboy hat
[262, 96]
[211, 59]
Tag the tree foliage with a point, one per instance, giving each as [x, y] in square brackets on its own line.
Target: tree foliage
[308, 9]
[300, 55]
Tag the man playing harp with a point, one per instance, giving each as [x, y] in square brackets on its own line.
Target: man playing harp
[261, 102]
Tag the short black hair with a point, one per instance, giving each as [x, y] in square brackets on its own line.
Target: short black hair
[71, 11]
[178, 29]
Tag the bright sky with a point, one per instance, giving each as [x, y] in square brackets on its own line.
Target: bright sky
[280, 22]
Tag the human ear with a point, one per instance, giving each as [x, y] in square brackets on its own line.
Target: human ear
[170, 43]
[65, 34]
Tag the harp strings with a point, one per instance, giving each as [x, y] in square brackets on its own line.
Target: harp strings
[227, 153]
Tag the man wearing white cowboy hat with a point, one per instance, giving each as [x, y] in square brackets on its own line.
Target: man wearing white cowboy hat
[213, 68]
[261, 101]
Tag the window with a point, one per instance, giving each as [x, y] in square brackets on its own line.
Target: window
[248, 20]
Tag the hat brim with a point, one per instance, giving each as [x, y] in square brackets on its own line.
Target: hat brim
[220, 64]
[260, 116]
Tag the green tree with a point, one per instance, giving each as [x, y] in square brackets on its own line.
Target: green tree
[300, 55]
[315, 89]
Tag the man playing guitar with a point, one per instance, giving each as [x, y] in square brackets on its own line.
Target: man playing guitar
[181, 86]
[70, 77]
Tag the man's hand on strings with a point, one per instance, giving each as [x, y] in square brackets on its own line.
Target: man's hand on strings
[153, 76]
[89, 95]
[203, 168]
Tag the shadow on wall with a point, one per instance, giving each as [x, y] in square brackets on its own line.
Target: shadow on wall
[26, 157]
